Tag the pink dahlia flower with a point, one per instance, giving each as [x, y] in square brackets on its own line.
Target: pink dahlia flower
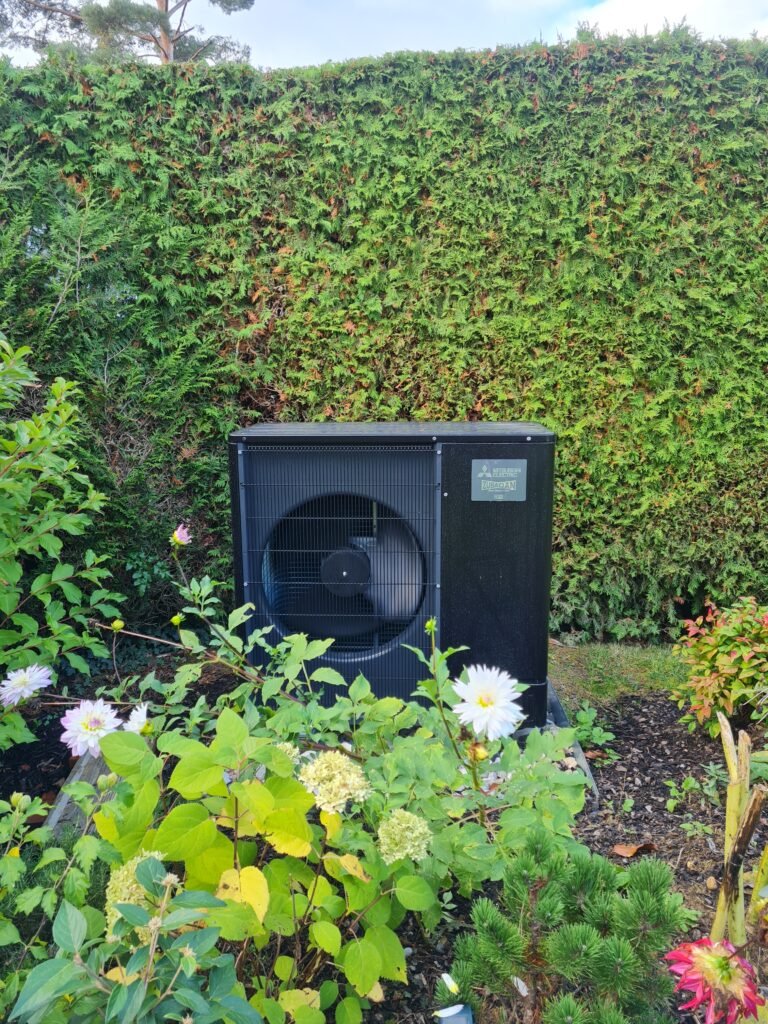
[721, 981]
[86, 724]
[181, 536]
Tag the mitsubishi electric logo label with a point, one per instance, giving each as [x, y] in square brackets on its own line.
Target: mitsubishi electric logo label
[499, 479]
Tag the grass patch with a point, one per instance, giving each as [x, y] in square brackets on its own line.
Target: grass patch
[603, 673]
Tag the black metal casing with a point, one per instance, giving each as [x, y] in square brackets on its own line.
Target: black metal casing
[477, 501]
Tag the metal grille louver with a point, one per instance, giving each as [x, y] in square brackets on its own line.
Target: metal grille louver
[340, 541]
[344, 566]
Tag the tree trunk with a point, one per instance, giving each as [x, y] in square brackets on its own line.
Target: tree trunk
[166, 41]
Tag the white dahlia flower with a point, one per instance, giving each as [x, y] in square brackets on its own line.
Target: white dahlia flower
[488, 702]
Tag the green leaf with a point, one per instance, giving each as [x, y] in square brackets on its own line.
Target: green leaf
[239, 616]
[125, 1002]
[391, 952]
[150, 874]
[44, 984]
[414, 893]
[329, 676]
[231, 731]
[359, 689]
[69, 928]
[87, 849]
[197, 773]
[362, 965]
[129, 756]
[308, 1015]
[9, 934]
[326, 936]
[137, 917]
[348, 1011]
[284, 967]
[50, 856]
[186, 831]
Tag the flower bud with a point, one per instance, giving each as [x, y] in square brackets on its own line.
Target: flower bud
[117, 625]
[16, 801]
[106, 782]
[177, 619]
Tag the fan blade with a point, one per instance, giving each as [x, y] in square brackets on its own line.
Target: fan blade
[397, 571]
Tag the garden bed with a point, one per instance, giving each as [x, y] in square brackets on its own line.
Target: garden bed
[650, 749]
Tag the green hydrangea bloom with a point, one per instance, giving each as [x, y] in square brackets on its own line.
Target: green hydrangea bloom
[403, 834]
[122, 887]
[334, 779]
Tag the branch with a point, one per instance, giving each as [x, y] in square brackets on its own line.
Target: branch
[47, 9]
[200, 49]
[147, 37]
[178, 33]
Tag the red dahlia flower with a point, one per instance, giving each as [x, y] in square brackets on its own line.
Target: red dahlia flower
[718, 978]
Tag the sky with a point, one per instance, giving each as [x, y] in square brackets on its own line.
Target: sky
[294, 33]
[289, 33]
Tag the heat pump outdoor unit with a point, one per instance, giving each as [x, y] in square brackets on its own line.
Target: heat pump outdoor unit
[362, 532]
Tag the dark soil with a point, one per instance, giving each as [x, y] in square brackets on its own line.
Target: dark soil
[40, 768]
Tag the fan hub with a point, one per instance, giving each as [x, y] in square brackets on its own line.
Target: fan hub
[346, 572]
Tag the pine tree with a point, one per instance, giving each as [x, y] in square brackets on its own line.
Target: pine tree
[118, 28]
[585, 940]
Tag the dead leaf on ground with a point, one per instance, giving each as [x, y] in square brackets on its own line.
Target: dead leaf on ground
[632, 849]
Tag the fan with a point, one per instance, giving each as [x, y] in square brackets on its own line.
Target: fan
[345, 566]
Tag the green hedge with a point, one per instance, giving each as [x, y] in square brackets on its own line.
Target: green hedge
[575, 235]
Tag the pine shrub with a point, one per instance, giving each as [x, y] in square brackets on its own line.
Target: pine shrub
[584, 938]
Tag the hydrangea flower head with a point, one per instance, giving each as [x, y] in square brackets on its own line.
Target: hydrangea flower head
[86, 724]
[290, 750]
[181, 536]
[335, 779]
[719, 979]
[488, 702]
[23, 684]
[137, 721]
[122, 887]
[403, 834]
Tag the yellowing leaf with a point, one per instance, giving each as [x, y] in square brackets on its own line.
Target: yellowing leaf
[349, 864]
[293, 998]
[319, 891]
[118, 974]
[376, 995]
[332, 822]
[289, 833]
[247, 886]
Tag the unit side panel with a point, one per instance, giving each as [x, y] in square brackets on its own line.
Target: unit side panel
[496, 557]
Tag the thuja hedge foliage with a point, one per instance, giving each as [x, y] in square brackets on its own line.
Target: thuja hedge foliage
[572, 234]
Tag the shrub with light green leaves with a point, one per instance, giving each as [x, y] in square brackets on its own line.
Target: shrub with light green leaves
[301, 833]
[46, 600]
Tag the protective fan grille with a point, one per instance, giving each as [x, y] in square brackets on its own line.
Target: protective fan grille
[345, 566]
